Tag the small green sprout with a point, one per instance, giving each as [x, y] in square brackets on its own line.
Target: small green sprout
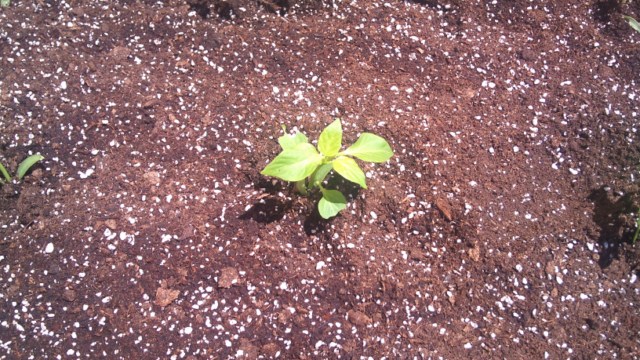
[301, 163]
[24, 166]
[633, 23]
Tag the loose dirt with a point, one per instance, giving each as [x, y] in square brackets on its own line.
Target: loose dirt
[501, 228]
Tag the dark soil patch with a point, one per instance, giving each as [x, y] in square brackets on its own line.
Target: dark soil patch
[500, 229]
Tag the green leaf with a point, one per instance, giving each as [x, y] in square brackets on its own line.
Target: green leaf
[294, 164]
[26, 164]
[287, 141]
[331, 204]
[5, 173]
[349, 169]
[321, 172]
[5, 3]
[633, 23]
[330, 140]
[370, 147]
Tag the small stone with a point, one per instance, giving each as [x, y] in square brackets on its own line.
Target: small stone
[550, 268]
[474, 253]
[444, 208]
[165, 296]
[152, 177]
[527, 55]
[69, 295]
[249, 351]
[111, 224]
[358, 318]
[452, 298]
[120, 53]
[188, 330]
[228, 277]
[269, 350]
[49, 248]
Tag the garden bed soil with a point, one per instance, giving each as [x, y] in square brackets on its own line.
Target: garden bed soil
[501, 228]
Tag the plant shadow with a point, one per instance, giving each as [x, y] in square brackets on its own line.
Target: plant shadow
[610, 214]
[269, 207]
[266, 210]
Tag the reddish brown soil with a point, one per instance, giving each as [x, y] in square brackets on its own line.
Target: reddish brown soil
[500, 229]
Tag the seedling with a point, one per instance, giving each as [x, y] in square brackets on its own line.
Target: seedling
[24, 166]
[301, 163]
[633, 23]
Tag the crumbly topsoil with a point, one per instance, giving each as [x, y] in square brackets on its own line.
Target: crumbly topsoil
[500, 229]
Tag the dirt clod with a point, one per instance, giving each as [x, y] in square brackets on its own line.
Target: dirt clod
[358, 318]
[165, 297]
[444, 208]
[228, 277]
[69, 295]
[500, 228]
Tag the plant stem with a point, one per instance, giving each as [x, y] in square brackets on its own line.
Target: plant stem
[301, 187]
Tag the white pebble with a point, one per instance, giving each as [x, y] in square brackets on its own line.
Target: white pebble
[320, 265]
[519, 268]
[63, 85]
[86, 174]
[188, 330]
[49, 248]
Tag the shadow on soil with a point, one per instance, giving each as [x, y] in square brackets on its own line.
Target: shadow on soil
[616, 227]
[604, 9]
[272, 208]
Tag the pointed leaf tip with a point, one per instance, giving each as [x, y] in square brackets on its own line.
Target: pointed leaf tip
[26, 164]
[330, 140]
[370, 147]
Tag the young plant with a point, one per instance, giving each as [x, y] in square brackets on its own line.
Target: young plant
[633, 23]
[24, 166]
[301, 163]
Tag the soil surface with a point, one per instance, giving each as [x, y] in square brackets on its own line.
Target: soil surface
[501, 228]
